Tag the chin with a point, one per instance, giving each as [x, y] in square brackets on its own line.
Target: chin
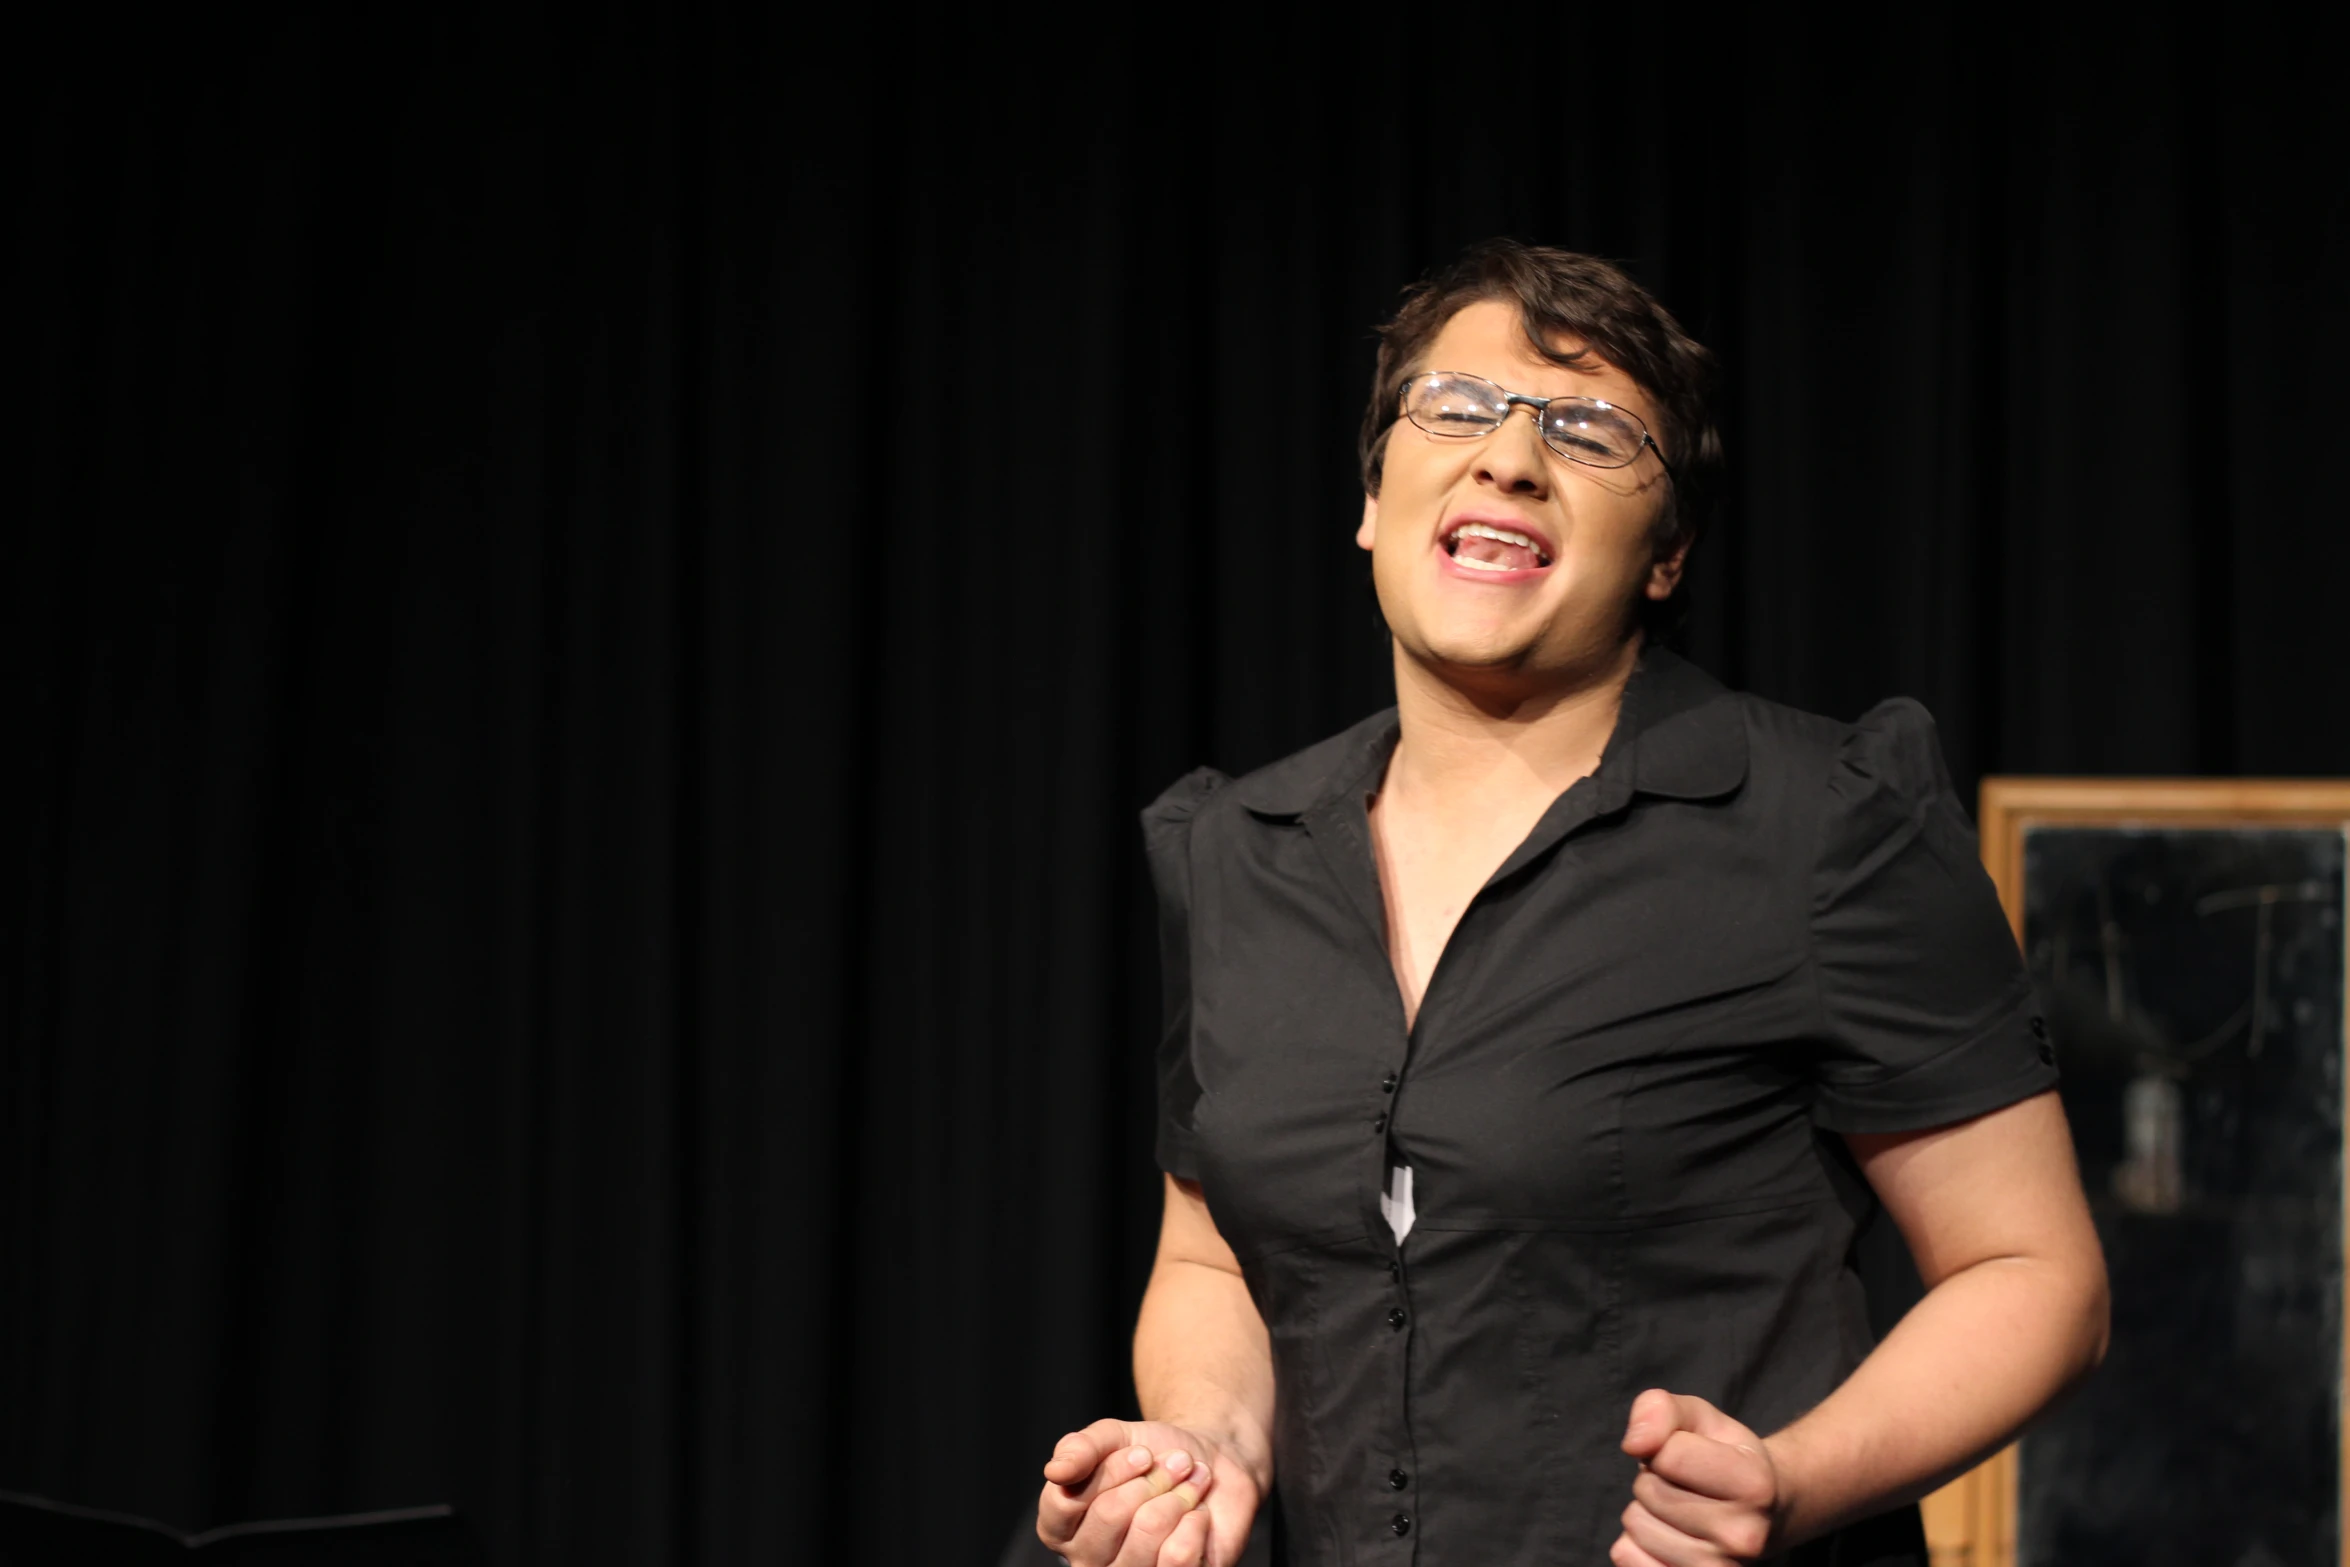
[1491, 654]
[1539, 654]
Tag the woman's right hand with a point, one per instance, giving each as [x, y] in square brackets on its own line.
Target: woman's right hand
[1140, 1493]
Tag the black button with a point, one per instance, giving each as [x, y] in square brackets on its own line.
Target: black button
[1394, 1269]
[2047, 1052]
[1396, 1319]
[1400, 1524]
[1379, 1125]
[1387, 1083]
[1397, 1479]
[2039, 1028]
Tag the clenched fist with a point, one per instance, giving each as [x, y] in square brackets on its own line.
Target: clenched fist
[1707, 1495]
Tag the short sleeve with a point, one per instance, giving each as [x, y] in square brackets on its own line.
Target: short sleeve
[1166, 838]
[1928, 1015]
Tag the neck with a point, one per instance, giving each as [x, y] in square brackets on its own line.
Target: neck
[1463, 741]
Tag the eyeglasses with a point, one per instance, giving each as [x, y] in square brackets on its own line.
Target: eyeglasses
[1598, 434]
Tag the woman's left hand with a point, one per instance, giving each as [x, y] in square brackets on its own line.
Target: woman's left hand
[1708, 1494]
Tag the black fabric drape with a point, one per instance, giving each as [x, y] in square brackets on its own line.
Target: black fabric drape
[594, 596]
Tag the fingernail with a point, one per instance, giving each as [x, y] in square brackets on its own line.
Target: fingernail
[1177, 1462]
[1139, 1457]
[1201, 1476]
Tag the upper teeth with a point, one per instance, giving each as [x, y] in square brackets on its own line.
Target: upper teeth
[1500, 535]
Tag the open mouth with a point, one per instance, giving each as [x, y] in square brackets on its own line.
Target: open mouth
[1481, 546]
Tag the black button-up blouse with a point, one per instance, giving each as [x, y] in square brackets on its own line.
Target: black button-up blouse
[1749, 931]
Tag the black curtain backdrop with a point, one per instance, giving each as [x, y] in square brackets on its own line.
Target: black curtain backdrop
[594, 594]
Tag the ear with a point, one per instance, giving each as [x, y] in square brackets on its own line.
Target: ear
[1665, 575]
[1368, 533]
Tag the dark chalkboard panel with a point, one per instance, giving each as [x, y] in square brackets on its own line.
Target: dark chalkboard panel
[2194, 984]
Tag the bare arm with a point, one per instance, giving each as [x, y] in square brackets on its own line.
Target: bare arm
[1202, 1359]
[2014, 1313]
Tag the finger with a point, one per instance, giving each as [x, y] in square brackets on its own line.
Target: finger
[1196, 1484]
[1232, 1514]
[1740, 1528]
[1626, 1552]
[1714, 1468]
[1649, 1422]
[1668, 1544]
[1060, 1509]
[1080, 1452]
[1153, 1522]
[1188, 1545]
[1688, 1412]
[1656, 1414]
[1057, 1516]
[1168, 1472]
[1101, 1534]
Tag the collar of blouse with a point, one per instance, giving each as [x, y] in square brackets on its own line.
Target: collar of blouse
[1680, 734]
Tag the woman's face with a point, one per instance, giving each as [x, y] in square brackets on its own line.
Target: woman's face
[1556, 596]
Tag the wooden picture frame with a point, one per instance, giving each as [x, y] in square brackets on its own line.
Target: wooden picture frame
[1973, 1521]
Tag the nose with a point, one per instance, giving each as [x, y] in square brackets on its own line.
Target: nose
[1513, 459]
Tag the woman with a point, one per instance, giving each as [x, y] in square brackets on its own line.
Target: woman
[1536, 1049]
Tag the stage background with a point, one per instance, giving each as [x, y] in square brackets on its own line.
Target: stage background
[593, 594]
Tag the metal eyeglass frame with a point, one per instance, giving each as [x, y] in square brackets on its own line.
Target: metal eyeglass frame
[1541, 406]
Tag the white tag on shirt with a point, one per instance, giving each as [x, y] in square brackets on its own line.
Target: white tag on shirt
[1395, 1203]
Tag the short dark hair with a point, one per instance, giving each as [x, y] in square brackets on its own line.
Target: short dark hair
[1562, 294]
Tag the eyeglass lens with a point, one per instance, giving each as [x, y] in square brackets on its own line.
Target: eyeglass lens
[1582, 428]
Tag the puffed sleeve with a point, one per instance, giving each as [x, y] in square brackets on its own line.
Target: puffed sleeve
[1166, 838]
[1928, 1015]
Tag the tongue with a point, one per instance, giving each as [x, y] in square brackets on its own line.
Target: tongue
[1492, 552]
